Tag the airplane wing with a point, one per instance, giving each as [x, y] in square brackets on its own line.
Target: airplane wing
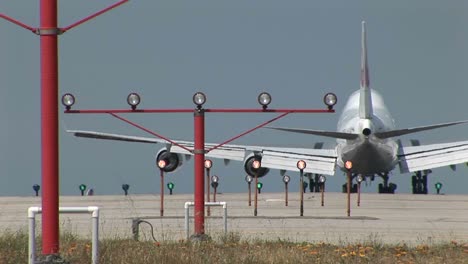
[320, 161]
[418, 158]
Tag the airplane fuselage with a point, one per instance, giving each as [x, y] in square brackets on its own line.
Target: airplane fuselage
[369, 154]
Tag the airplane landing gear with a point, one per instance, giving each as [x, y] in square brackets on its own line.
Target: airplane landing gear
[419, 183]
[385, 187]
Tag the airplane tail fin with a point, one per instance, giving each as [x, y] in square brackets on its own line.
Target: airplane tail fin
[365, 101]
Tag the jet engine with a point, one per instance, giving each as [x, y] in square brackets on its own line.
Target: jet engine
[173, 160]
[250, 170]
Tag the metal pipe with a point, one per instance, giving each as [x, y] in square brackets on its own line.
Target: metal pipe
[161, 210]
[49, 126]
[214, 195]
[199, 153]
[359, 194]
[301, 192]
[208, 190]
[348, 190]
[256, 195]
[322, 189]
[286, 194]
[250, 193]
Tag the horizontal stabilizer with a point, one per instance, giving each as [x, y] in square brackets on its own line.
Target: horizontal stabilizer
[331, 134]
[426, 157]
[108, 136]
[401, 132]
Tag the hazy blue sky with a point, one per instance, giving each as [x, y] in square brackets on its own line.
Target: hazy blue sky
[231, 50]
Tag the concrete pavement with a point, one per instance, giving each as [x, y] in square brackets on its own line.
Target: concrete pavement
[382, 218]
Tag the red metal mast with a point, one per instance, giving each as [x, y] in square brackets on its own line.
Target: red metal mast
[199, 153]
[49, 126]
[48, 32]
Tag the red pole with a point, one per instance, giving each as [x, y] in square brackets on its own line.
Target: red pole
[49, 127]
[286, 194]
[161, 210]
[199, 153]
[250, 194]
[348, 193]
[208, 190]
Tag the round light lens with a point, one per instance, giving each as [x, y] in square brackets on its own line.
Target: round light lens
[248, 179]
[359, 179]
[208, 164]
[264, 99]
[199, 98]
[286, 178]
[330, 99]
[301, 164]
[348, 165]
[162, 164]
[133, 99]
[214, 178]
[322, 179]
[68, 100]
[256, 164]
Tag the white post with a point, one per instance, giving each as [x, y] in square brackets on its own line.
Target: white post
[94, 210]
[187, 214]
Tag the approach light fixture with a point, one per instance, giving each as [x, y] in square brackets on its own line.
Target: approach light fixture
[359, 178]
[162, 164]
[301, 165]
[330, 100]
[348, 165]
[286, 179]
[438, 186]
[208, 164]
[36, 188]
[133, 100]
[248, 179]
[214, 178]
[322, 179]
[259, 187]
[256, 164]
[82, 188]
[68, 100]
[264, 99]
[170, 186]
[125, 188]
[199, 99]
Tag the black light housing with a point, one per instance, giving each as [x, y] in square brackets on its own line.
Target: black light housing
[68, 100]
[199, 99]
[214, 178]
[264, 99]
[125, 188]
[286, 179]
[322, 179]
[133, 99]
[248, 179]
[330, 100]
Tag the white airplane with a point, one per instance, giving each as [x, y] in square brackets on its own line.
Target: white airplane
[366, 136]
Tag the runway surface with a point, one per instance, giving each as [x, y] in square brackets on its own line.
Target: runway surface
[385, 218]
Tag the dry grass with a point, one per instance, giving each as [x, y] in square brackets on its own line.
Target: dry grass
[231, 249]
